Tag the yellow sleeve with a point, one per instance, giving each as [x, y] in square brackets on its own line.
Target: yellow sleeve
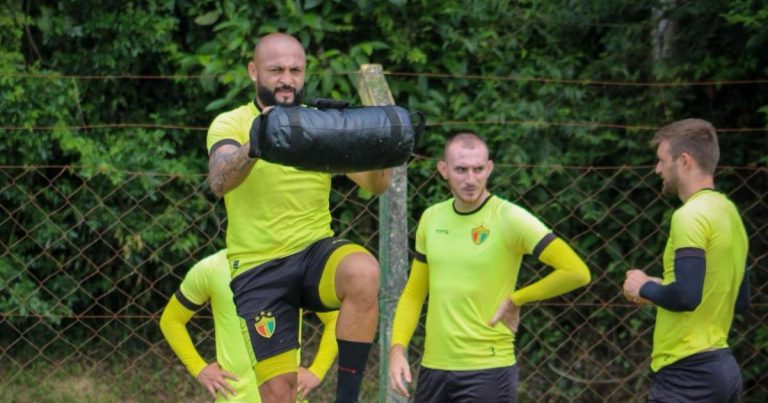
[410, 304]
[232, 126]
[173, 324]
[570, 272]
[328, 348]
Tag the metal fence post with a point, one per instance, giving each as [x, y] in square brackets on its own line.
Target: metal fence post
[393, 231]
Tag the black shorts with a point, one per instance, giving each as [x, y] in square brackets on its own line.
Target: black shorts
[711, 376]
[480, 386]
[268, 296]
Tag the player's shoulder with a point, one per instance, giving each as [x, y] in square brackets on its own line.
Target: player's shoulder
[495, 200]
[439, 206]
[703, 204]
[231, 125]
[243, 112]
[443, 207]
[211, 264]
[693, 216]
[504, 206]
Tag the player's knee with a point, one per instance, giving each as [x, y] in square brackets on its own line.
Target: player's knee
[359, 276]
[278, 389]
[367, 275]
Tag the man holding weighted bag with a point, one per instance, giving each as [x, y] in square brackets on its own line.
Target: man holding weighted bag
[282, 252]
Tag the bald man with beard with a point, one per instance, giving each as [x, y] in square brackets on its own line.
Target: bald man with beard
[282, 253]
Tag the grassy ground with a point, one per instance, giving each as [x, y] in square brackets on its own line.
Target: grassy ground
[103, 370]
[147, 379]
[101, 382]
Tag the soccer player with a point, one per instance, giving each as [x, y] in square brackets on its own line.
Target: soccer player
[281, 249]
[468, 254]
[230, 377]
[705, 278]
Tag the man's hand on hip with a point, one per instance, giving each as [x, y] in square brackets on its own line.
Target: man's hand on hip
[215, 380]
[509, 314]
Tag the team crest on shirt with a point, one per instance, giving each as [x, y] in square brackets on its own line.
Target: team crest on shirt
[480, 234]
[265, 324]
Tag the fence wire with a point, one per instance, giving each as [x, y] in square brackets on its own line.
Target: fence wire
[89, 257]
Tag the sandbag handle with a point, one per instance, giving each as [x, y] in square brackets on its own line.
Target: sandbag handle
[329, 103]
[418, 130]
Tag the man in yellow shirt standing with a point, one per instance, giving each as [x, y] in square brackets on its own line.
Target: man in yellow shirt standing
[468, 254]
[231, 377]
[705, 279]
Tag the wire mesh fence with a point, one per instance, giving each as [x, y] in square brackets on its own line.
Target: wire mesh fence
[89, 257]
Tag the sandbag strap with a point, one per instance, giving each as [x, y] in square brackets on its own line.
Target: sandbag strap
[294, 122]
[396, 124]
[419, 129]
[256, 136]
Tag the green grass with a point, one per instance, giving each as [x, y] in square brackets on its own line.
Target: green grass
[140, 376]
[107, 381]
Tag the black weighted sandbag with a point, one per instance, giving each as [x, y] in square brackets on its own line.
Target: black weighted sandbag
[335, 138]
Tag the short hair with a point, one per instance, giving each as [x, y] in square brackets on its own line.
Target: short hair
[466, 140]
[696, 137]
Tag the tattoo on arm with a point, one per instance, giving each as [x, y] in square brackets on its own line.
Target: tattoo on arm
[228, 168]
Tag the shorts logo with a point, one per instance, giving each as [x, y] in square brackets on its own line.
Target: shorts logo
[480, 234]
[265, 324]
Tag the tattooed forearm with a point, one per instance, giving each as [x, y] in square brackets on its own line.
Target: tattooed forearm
[228, 167]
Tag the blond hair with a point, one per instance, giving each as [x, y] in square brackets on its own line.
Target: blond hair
[696, 137]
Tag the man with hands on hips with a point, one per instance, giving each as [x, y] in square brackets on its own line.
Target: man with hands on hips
[468, 254]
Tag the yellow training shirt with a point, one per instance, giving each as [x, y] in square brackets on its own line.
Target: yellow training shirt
[708, 221]
[208, 280]
[277, 210]
[473, 261]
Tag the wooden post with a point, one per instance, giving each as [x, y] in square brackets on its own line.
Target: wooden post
[393, 231]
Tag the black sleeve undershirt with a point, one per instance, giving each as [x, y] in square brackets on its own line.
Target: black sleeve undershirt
[742, 301]
[684, 294]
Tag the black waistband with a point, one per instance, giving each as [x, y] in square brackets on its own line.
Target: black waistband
[703, 357]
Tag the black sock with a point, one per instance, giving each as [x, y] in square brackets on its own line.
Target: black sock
[352, 358]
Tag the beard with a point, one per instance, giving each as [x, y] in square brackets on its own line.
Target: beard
[669, 186]
[268, 97]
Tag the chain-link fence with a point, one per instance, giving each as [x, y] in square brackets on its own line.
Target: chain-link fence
[89, 257]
